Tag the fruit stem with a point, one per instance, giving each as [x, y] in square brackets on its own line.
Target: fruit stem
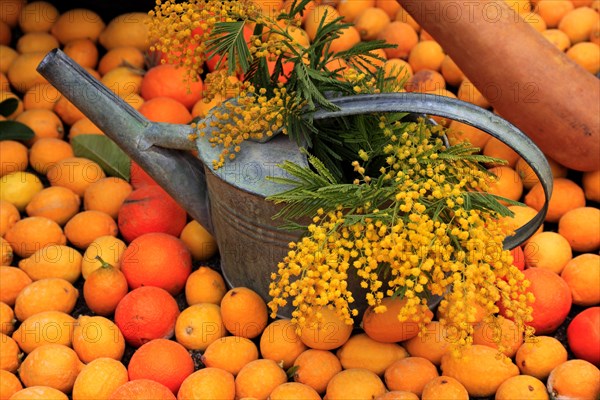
[104, 263]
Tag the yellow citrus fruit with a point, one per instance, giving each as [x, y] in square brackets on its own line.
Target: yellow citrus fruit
[123, 81]
[57, 203]
[386, 327]
[120, 56]
[47, 327]
[47, 151]
[96, 337]
[9, 384]
[87, 226]
[208, 383]
[355, 383]
[129, 29]
[548, 250]
[49, 294]
[199, 325]
[469, 93]
[83, 51]
[410, 374]
[12, 281]
[522, 387]
[444, 387]
[280, 343]
[315, 368]
[9, 353]
[39, 393]
[497, 149]
[581, 228]
[574, 379]
[13, 157]
[314, 17]
[258, 378]
[77, 23]
[38, 16]
[539, 356]
[529, 177]
[502, 334]
[587, 55]
[36, 41]
[507, 183]
[582, 274]
[205, 285]
[7, 57]
[360, 351]
[53, 261]
[109, 248]
[44, 123]
[552, 11]
[22, 72]
[75, 173]
[98, 379]
[591, 185]
[199, 241]
[460, 132]
[432, 344]
[328, 332]
[41, 95]
[558, 38]
[18, 188]
[244, 312]
[230, 353]
[53, 365]
[106, 195]
[293, 391]
[578, 23]
[30, 234]
[451, 72]
[7, 319]
[370, 22]
[398, 395]
[9, 215]
[566, 195]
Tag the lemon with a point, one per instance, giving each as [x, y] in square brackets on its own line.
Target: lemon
[199, 241]
[19, 188]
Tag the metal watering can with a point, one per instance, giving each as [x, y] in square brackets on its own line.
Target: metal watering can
[230, 202]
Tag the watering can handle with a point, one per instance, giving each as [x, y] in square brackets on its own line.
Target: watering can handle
[463, 112]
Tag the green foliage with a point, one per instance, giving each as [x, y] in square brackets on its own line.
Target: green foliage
[105, 152]
[13, 130]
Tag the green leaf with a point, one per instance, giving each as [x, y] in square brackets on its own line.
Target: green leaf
[105, 152]
[8, 106]
[13, 130]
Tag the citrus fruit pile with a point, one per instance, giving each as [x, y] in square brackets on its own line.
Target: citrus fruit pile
[108, 290]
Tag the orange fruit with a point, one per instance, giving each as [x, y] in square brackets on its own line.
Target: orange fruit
[587, 55]
[397, 68]
[75, 173]
[244, 312]
[497, 149]
[104, 288]
[581, 228]
[9, 215]
[547, 250]
[67, 111]
[165, 109]
[400, 34]
[96, 337]
[553, 11]
[591, 185]
[199, 325]
[575, 379]
[431, 345]
[325, 330]
[370, 22]
[529, 177]
[386, 327]
[123, 80]
[87, 226]
[7, 319]
[7, 57]
[204, 285]
[201, 244]
[11, 11]
[347, 39]
[98, 379]
[595, 35]
[39, 393]
[44, 123]
[41, 95]
[502, 334]
[83, 126]
[444, 387]
[47, 151]
[127, 29]
[566, 196]
[146, 313]
[47, 327]
[460, 132]
[479, 369]
[230, 353]
[9, 354]
[53, 261]
[121, 56]
[397, 395]
[106, 195]
[208, 383]
[426, 55]
[49, 294]
[451, 72]
[410, 374]
[314, 16]
[36, 41]
[578, 23]
[12, 281]
[9, 384]
[469, 93]
[293, 391]
[315, 368]
[33, 233]
[558, 38]
[350, 9]
[168, 80]
[355, 383]
[83, 51]
[22, 72]
[109, 248]
[582, 274]
[161, 360]
[142, 389]
[360, 351]
[258, 378]
[522, 387]
[19, 187]
[425, 80]
[77, 23]
[203, 106]
[521, 215]
[57, 203]
[38, 16]
[53, 365]
[280, 343]
[14, 157]
[390, 7]
[538, 356]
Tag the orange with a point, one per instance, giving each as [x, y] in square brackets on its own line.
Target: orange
[280, 343]
[258, 378]
[360, 351]
[575, 379]
[460, 132]
[168, 80]
[566, 196]
[244, 312]
[582, 274]
[522, 387]
[53, 365]
[426, 55]
[75, 173]
[529, 177]
[397, 68]
[444, 387]
[11, 10]
[38, 16]
[9, 384]
[230, 353]
[123, 80]
[12, 281]
[479, 369]
[49, 294]
[347, 39]
[350, 9]
[33, 233]
[391, 7]
[371, 62]
[578, 23]
[22, 72]
[98, 379]
[315, 368]
[142, 389]
[84, 126]
[9, 354]
[47, 327]
[121, 56]
[6, 252]
[47, 151]
[595, 35]
[83, 51]
[370, 22]
[203, 106]
[204, 285]
[127, 29]
[547, 250]
[591, 185]
[36, 41]
[57, 203]
[497, 149]
[397, 395]
[325, 330]
[581, 228]
[502, 334]
[535, 21]
[13, 157]
[67, 111]
[7, 319]
[386, 327]
[587, 55]
[557, 38]
[165, 109]
[106, 195]
[77, 23]
[410, 374]
[432, 344]
[208, 383]
[18, 188]
[146, 313]
[39, 393]
[104, 288]
[469, 93]
[450, 71]
[521, 215]
[314, 16]
[293, 391]
[199, 325]
[53, 261]
[44, 123]
[96, 337]
[201, 244]
[7, 56]
[552, 11]
[109, 248]
[425, 80]
[355, 383]
[87, 226]
[161, 360]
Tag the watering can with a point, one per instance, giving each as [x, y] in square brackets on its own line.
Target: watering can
[230, 202]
